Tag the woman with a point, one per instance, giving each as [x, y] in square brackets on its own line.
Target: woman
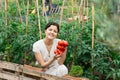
[44, 52]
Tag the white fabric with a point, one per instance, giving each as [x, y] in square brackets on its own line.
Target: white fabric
[54, 68]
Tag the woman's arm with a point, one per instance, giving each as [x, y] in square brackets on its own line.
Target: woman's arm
[42, 62]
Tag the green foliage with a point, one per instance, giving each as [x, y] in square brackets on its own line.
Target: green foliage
[76, 71]
[115, 67]
[79, 50]
[15, 41]
[58, 2]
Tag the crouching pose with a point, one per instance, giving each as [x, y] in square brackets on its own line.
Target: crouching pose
[43, 49]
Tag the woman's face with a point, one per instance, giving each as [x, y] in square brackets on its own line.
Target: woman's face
[51, 32]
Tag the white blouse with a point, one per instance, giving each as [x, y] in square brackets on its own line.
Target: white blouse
[54, 68]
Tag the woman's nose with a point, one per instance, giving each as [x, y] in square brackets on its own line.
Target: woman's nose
[52, 31]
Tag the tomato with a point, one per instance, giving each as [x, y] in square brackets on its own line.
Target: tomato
[62, 48]
[60, 52]
[57, 51]
[63, 43]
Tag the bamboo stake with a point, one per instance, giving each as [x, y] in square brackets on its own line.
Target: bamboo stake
[43, 7]
[19, 10]
[77, 7]
[23, 2]
[68, 13]
[92, 55]
[0, 4]
[38, 19]
[72, 7]
[27, 12]
[92, 26]
[6, 12]
[80, 11]
[61, 13]
[84, 10]
[87, 10]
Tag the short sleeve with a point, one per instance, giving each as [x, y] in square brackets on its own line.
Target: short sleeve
[35, 49]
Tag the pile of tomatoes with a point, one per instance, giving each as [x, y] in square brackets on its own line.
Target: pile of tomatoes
[60, 49]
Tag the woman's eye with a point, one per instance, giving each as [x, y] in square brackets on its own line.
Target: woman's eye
[50, 29]
[55, 31]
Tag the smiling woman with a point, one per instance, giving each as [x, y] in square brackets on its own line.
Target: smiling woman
[44, 52]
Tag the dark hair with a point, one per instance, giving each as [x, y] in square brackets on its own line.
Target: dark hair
[52, 23]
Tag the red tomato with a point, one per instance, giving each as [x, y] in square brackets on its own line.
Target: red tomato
[62, 48]
[60, 52]
[61, 43]
[57, 51]
[65, 43]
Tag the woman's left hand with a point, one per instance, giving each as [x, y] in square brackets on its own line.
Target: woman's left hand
[57, 56]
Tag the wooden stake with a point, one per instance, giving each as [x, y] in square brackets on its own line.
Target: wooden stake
[37, 5]
[61, 13]
[27, 12]
[92, 25]
[6, 12]
[87, 10]
[19, 10]
[72, 7]
[43, 7]
[92, 54]
[68, 10]
[84, 7]
[80, 11]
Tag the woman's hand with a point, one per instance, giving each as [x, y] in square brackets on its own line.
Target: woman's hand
[57, 56]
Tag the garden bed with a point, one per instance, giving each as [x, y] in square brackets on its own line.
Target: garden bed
[12, 71]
